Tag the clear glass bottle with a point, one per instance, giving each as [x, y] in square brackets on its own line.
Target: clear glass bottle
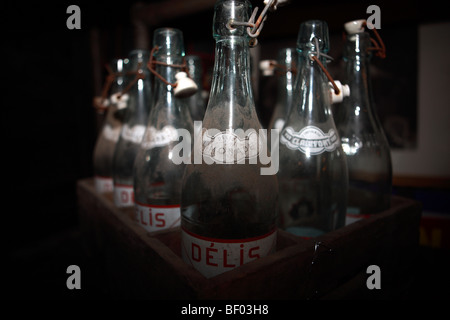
[109, 134]
[228, 208]
[362, 136]
[196, 101]
[286, 71]
[135, 121]
[157, 178]
[313, 170]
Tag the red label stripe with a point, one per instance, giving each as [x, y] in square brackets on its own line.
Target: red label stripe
[359, 215]
[157, 205]
[123, 185]
[229, 240]
[102, 177]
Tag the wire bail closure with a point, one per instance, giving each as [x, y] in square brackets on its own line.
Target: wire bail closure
[357, 26]
[271, 67]
[101, 103]
[315, 58]
[184, 86]
[379, 47]
[139, 75]
[338, 90]
[254, 28]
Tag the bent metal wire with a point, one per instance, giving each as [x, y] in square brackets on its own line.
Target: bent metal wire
[254, 28]
[317, 60]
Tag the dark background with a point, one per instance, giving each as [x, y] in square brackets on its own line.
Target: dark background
[50, 127]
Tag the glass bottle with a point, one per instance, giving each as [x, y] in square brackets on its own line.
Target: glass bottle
[313, 170]
[362, 136]
[196, 101]
[109, 134]
[135, 121]
[228, 207]
[157, 177]
[286, 71]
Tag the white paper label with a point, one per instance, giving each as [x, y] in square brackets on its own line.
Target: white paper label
[215, 256]
[279, 123]
[133, 134]
[155, 217]
[159, 138]
[103, 184]
[310, 140]
[111, 133]
[123, 195]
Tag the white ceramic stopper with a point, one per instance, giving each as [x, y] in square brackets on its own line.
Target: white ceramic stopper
[186, 87]
[355, 26]
[344, 92]
[121, 102]
[267, 67]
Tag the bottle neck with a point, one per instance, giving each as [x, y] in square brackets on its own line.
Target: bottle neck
[140, 94]
[286, 89]
[231, 88]
[357, 74]
[164, 92]
[312, 91]
[117, 69]
[119, 84]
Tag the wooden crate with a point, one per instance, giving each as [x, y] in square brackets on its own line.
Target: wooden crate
[137, 264]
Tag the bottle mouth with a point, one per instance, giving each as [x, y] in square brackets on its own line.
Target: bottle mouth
[138, 57]
[169, 42]
[228, 11]
[138, 53]
[119, 64]
[313, 36]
